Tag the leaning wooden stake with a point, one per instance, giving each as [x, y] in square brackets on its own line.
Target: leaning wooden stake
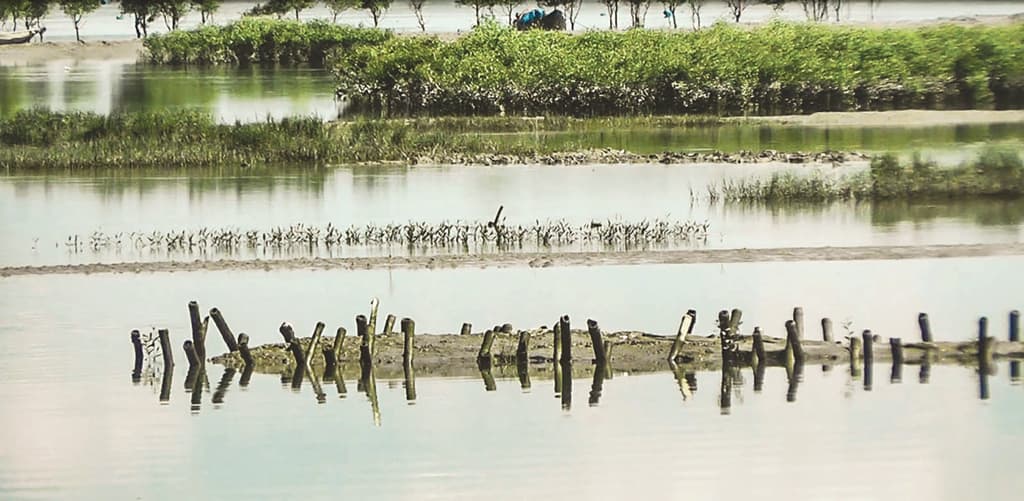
[225, 331]
[137, 367]
[566, 329]
[484, 355]
[165, 348]
[190, 353]
[855, 357]
[926, 329]
[556, 343]
[596, 341]
[243, 349]
[339, 342]
[826, 329]
[372, 327]
[798, 319]
[310, 351]
[408, 333]
[198, 330]
[389, 325]
[795, 347]
[984, 347]
[467, 329]
[869, 340]
[685, 328]
[288, 333]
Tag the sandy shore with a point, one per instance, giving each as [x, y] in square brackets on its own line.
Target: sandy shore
[38, 53]
[540, 260]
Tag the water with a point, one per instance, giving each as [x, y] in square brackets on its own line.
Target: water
[74, 426]
[448, 17]
[38, 217]
[229, 94]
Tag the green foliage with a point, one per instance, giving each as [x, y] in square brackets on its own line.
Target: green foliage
[775, 69]
[255, 40]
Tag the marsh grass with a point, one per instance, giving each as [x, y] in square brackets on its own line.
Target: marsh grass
[996, 172]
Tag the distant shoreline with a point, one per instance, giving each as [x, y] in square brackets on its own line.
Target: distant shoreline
[36, 53]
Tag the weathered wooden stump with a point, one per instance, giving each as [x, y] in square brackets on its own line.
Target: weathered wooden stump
[926, 328]
[137, 367]
[566, 329]
[165, 348]
[190, 353]
[198, 329]
[826, 329]
[225, 331]
[243, 349]
[685, 328]
[408, 347]
[596, 341]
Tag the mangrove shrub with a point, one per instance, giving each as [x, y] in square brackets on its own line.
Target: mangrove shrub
[778, 68]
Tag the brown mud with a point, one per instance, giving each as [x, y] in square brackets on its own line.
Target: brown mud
[447, 355]
[538, 259]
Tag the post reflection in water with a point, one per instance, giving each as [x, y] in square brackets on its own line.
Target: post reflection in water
[368, 384]
[794, 374]
[198, 375]
[681, 380]
[566, 386]
[410, 382]
[601, 371]
[246, 376]
[725, 390]
[165, 385]
[868, 364]
[896, 374]
[296, 379]
[759, 371]
[1015, 372]
[523, 372]
[924, 374]
[223, 385]
[557, 370]
[485, 373]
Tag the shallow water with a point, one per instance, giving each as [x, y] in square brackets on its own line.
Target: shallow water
[229, 94]
[67, 358]
[40, 213]
[446, 16]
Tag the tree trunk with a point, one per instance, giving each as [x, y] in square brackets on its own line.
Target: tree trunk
[78, 36]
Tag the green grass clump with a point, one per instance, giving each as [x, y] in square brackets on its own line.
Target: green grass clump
[255, 40]
[996, 172]
[778, 68]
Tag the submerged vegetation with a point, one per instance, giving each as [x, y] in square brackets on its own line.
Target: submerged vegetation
[997, 172]
[777, 68]
[255, 40]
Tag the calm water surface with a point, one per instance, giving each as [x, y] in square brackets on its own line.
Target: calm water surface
[229, 94]
[41, 212]
[73, 424]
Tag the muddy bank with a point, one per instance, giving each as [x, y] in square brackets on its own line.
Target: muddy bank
[455, 355]
[39, 53]
[612, 156]
[540, 259]
[905, 118]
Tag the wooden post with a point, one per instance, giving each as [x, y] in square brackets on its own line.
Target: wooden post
[137, 368]
[409, 333]
[507, 328]
[793, 335]
[566, 340]
[467, 329]
[826, 329]
[484, 355]
[339, 342]
[365, 343]
[225, 331]
[198, 332]
[984, 347]
[165, 348]
[596, 341]
[523, 348]
[734, 323]
[926, 329]
[896, 345]
[311, 347]
[685, 328]
[389, 325]
[190, 353]
[1014, 326]
[243, 349]
[372, 327]
[297, 354]
[869, 359]
[286, 332]
[758, 355]
[557, 342]
[798, 319]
